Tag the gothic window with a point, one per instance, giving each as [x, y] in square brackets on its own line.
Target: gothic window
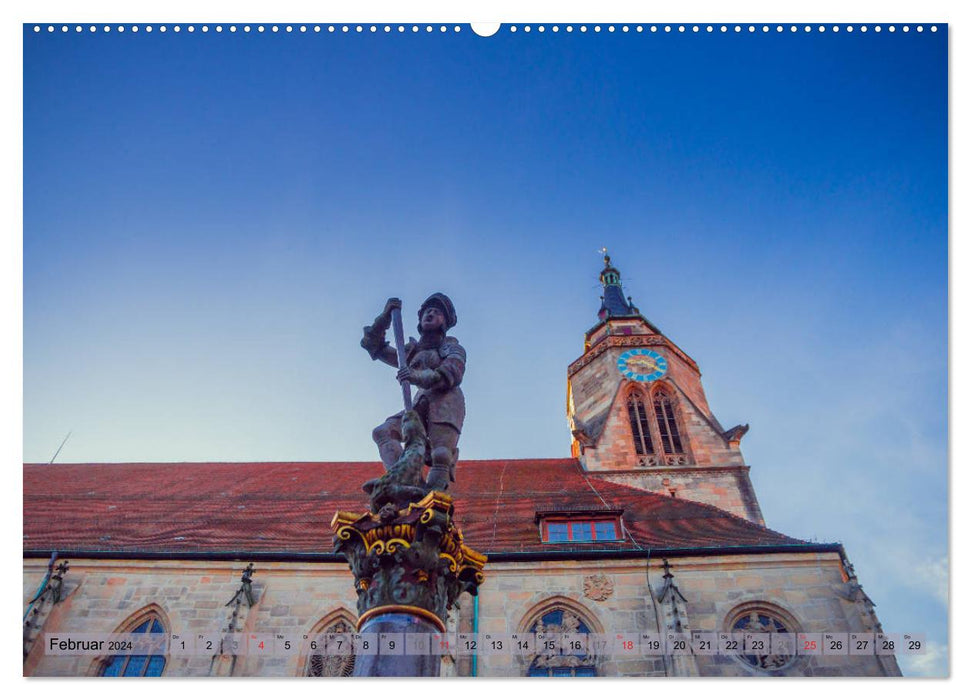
[129, 666]
[561, 661]
[639, 427]
[331, 665]
[762, 618]
[667, 425]
[657, 439]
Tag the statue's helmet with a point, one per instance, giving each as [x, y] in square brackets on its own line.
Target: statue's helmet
[443, 304]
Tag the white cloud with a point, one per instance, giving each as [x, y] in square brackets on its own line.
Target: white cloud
[933, 575]
[933, 663]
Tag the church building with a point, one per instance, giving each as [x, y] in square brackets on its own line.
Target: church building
[648, 535]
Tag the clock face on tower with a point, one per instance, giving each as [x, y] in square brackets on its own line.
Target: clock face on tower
[642, 365]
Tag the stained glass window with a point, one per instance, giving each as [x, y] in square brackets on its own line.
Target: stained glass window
[332, 665]
[561, 662]
[132, 666]
[763, 621]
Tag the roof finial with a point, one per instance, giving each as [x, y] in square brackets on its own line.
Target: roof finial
[603, 252]
[613, 300]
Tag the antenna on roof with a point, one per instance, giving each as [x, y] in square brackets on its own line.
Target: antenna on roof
[62, 445]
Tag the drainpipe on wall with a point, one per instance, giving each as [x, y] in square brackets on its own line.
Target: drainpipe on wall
[43, 584]
[475, 632]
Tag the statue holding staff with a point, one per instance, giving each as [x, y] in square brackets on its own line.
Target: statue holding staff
[435, 363]
[408, 558]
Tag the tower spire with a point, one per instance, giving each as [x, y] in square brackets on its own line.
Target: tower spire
[614, 304]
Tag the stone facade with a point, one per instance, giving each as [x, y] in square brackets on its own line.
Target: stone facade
[102, 596]
[190, 597]
[728, 488]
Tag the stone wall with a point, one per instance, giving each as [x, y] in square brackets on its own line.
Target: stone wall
[728, 488]
[191, 597]
[802, 585]
[610, 596]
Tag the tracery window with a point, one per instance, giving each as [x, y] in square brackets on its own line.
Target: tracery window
[656, 436]
[762, 618]
[133, 666]
[667, 424]
[562, 661]
[639, 427]
[332, 665]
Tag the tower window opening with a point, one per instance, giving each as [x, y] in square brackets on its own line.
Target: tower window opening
[639, 427]
[667, 425]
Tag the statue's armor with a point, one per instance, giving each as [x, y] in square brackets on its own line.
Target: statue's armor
[445, 402]
[440, 406]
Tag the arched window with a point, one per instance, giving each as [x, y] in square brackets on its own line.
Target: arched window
[128, 666]
[562, 661]
[667, 424]
[639, 427]
[331, 665]
[762, 618]
[657, 439]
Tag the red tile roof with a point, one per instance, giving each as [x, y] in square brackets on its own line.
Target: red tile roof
[287, 507]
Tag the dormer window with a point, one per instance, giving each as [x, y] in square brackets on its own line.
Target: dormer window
[557, 532]
[603, 526]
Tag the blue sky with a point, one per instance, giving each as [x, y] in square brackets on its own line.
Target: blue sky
[210, 219]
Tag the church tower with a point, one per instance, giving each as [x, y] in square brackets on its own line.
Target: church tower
[639, 417]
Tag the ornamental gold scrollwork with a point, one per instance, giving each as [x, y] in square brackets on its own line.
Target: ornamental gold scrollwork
[345, 533]
[414, 556]
[452, 564]
[392, 545]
